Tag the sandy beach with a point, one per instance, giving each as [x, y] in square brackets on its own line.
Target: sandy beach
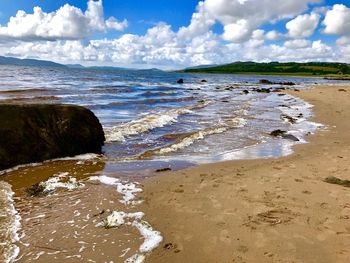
[272, 210]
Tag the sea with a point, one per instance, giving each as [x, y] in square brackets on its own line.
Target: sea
[90, 211]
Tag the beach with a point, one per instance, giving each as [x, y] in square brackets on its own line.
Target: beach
[268, 210]
[95, 208]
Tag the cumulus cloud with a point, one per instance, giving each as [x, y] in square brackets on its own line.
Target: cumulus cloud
[303, 25]
[297, 43]
[273, 35]
[241, 17]
[161, 46]
[337, 20]
[68, 22]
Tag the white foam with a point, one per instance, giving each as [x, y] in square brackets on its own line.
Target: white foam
[118, 218]
[81, 157]
[12, 225]
[61, 180]
[137, 258]
[127, 189]
[200, 135]
[152, 238]
[149, 122]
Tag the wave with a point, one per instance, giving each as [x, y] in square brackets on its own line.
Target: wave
[9, 224]
[147, 123]
[186, 141]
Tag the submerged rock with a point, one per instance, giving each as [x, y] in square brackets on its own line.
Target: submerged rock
[163, 170]
[288, 118]
[268, 82]
[265, 81]
[34, 133]
[284, 135]
[180, 81]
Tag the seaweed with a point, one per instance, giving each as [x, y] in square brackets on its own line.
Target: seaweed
[335, 180]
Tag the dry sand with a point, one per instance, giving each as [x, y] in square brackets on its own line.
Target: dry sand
[274, 210]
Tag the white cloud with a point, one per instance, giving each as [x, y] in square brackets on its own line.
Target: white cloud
[68, 22]
[273, 35]
[297, 43]
[241, 17]
[113, 23]
[337, 20]
[201, 22]
[237, 32]
[303, 25]
[160, 46]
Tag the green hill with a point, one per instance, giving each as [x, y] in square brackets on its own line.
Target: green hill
[29, 62]
[277, 68]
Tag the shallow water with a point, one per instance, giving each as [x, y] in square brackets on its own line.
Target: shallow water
[150, 122]
[147, 114]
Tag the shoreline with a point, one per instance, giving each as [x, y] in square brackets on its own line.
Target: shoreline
[276, 210]
[228, 205]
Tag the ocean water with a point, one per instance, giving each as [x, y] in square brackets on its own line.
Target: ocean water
[150, 122]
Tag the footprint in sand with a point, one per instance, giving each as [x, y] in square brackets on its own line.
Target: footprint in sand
[271, 217]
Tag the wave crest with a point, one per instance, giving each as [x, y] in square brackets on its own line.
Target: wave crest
[147, 123]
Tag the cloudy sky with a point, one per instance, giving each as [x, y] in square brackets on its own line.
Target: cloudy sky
[175, 34]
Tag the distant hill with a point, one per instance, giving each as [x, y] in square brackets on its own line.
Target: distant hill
[277, 68]
[29, 62]
[202, 66]
[74, 66]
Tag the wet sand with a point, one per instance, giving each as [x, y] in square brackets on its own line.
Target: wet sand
[63, 226]
[273, 210]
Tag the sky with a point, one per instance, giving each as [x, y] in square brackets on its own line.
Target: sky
[175, 34]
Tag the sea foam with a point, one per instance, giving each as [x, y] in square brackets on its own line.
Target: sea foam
[151, 121]
[10, 224]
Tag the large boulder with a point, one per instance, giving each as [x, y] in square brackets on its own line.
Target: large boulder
[34, 133]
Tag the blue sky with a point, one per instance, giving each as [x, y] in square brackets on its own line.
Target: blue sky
[141, 14]
[175, 34]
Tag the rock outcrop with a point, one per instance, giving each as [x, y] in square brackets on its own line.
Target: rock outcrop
[34, 133]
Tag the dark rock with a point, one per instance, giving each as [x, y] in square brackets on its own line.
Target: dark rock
[180, 81]
[277, 133]
[288, 118]
[263, 90]
[284, 135]
[163, 170]
[335, 180]
[36, 190]
[265, 81]
[343, 90]
[34, 133]
[290, 137]
[268, 82]
[287, 84]
[245, 91]
[203, 80]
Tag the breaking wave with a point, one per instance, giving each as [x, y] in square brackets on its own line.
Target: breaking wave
[196, 136]
[147, 123]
